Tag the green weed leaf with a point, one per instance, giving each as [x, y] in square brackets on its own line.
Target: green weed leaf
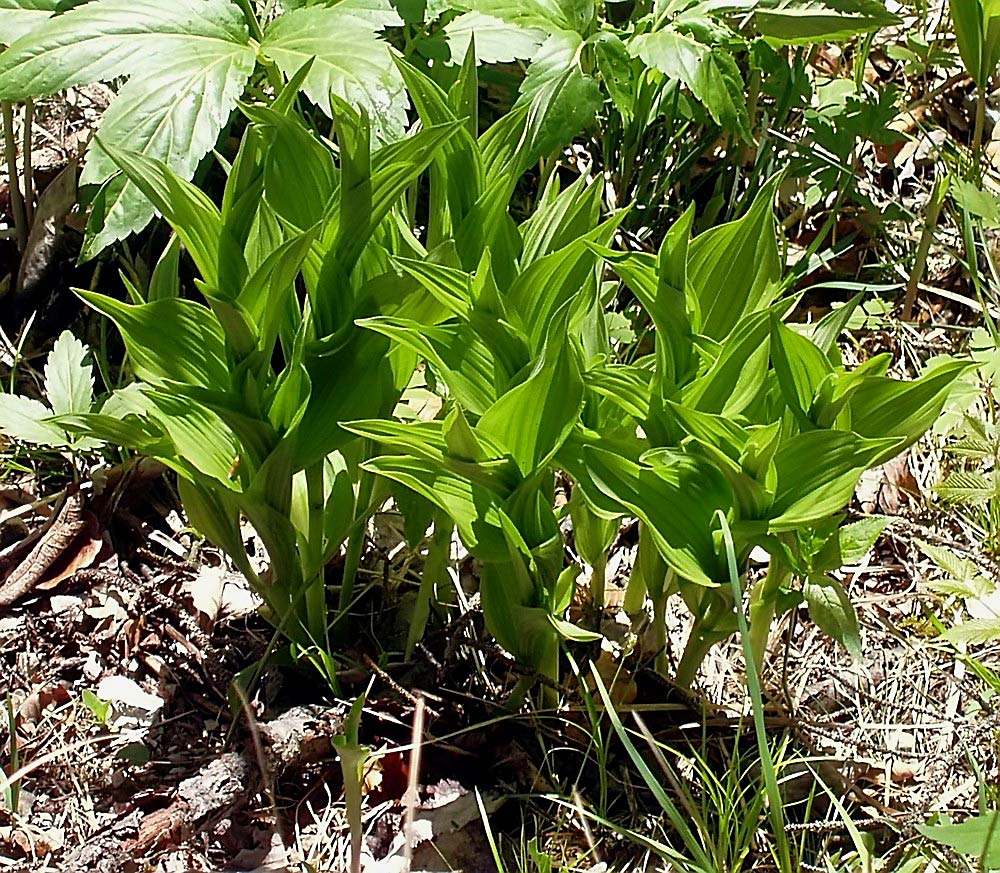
[830, 607]
[69, 379]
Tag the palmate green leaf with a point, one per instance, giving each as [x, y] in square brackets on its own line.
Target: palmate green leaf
[563, 99]
[806, 22]
[350, 61]
[710, 73]
[170, 340]
[830, 607]
[496, 40]
[817, 473]
[190, 60]
[69, 379]
[677, 499]
[19, 17]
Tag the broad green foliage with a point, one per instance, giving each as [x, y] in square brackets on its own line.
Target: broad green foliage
[333, 273]
[186, 64]
[786, 430]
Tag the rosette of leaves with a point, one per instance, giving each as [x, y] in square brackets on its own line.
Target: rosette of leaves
[244, 393]
[509, 357]
[184, 65]
[736, 411]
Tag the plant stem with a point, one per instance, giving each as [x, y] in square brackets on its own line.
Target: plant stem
[923, 249]
[17, 209]
[762, 602]
[977, 135]
[660, 629]
[355, 543]
[598, 580]
[435, 566]
[695, 652]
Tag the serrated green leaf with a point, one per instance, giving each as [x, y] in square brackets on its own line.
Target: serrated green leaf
[496, 40]
[562, 97]
[615, 65]
[69, 379]
[966, 579]
[189, 59]
[711, 74]
[350, 62]
[968, 489]
[858, 538]
[22, 418]
[19, 17]
[975, 632]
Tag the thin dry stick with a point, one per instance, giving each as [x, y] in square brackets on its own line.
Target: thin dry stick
[411, 796]
[29, 176]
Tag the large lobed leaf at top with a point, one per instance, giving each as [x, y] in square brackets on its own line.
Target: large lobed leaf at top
[350, 60]
[18, 17]
[506, 30]
[710, 73]
[189, 59]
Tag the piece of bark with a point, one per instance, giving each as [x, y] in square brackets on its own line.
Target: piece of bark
[62, 529]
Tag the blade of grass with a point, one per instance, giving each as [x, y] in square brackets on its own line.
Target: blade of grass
[767, 769]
